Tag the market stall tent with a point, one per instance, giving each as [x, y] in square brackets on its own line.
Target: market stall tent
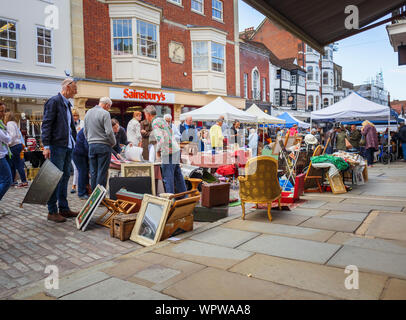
[291, 120]
[264, 117]
[352, 107]
[219, 107]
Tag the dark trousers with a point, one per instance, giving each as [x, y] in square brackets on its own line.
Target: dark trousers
[370, 155]
[82, 164]
[99, 157]
[5, 176]
[172, 175]
[16, 163]
[61, 157]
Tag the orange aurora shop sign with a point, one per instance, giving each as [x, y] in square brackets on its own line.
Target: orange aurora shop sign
[129, 94]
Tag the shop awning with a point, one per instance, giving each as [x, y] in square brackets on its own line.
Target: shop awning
[263, 117]
[321, 22]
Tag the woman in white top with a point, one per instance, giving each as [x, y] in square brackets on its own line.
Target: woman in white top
[78, 125]
[16, 146]
[134, 129]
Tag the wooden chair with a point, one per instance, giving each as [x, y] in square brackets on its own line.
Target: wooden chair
[260, 184]
[114, 207]
[313, 174]
[326, 146]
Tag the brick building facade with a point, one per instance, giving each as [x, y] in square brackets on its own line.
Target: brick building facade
[188, 49]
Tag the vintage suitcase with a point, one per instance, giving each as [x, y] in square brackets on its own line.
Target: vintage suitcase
[125, 195]
[132, 184]
[203, 214]
[215, 194]
[122, 226]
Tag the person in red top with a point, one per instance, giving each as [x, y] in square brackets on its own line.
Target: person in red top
[293, 131]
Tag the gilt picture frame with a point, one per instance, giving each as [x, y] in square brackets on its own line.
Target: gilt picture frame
[137, 169]
[151, 220]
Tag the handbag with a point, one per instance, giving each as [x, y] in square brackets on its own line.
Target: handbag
[362, 142]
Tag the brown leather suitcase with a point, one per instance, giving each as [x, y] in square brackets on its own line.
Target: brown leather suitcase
[215, 194]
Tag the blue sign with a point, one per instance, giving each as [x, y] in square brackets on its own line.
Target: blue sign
[13, 85]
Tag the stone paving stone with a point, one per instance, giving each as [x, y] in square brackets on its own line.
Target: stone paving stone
[388, 226]
[322, 279]
[204, 253]
[116, 289]
[386, 189]
[225, 237]
[23, 280]
[355, 216]
[21, 267]
[14, 273]
[5, 282]
[279, 229]
[7, 258]
[312, 204]
[296, 249]
[396, 290]
[371, 260]
[393, 246]
[157, 274]
[375, 202]
[332, 224]
[3, 266]
[40, 296]
[232, 286]
[279, 217]
[36, 267]
[354, 207]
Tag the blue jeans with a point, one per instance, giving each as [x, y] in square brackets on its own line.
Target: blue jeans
[100, 157]
[61, 157]
[16, 163]
[172, 175]
[5, 176]
[370, 156]
[404, 150]
[82, 164]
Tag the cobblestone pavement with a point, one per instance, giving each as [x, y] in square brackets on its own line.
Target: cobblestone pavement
[28, 242]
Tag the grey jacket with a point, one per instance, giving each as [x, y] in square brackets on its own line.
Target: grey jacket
[98, 128]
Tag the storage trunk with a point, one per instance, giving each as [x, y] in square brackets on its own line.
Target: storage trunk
[178, 226]
[122, 226]
[215, 194]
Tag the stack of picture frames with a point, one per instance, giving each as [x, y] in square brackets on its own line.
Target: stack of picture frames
[88, 210]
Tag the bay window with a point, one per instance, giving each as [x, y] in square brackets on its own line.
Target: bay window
[146, 39]
[201, 51]
[122, 37]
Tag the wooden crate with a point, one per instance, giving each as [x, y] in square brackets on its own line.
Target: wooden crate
[122, 226]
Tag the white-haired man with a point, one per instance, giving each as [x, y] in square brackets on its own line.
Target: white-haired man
[58, 136]
[175, 132]
[99, 134]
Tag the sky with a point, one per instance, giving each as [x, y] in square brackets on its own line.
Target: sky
[362, 56]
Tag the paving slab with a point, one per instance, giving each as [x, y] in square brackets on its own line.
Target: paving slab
[396, 290]
[385, 189]
[388, 226]
[375, 202]
[280, 217]
[280, 229]
[306, 212]
[214, 284]
[371, 260]
[357, 207]
[296, 249]
[225, 237]
[126, 268]
[331, 224]
[204, 253]
[345, 215]
[116, 289]
[331, 198]
[312, 204]
[393, 246]
[322, 279]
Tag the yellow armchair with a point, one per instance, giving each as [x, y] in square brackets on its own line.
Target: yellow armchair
[260, 183]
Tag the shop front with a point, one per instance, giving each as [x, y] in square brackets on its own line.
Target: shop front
[127, 99]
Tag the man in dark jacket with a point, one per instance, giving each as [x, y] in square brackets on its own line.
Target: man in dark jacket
[120, 134]
[355, 137]
[58, 138]
[81, 159]
[402, 138]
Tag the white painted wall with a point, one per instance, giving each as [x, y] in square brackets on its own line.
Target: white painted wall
[29, 14]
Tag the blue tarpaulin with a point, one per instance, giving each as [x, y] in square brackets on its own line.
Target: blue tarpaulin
[290, 121]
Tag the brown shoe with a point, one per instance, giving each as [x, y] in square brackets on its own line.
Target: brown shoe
[68, 214]
[56, 217]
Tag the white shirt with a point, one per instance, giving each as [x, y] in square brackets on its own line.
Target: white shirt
[14, 132]
[4, 141]
[134, 132]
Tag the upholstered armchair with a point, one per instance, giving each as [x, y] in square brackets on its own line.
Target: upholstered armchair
[260, 183]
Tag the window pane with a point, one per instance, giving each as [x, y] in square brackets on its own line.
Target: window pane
[47, 51]
[119, 28]
[4, 53]
[125, 29]
[13, 54]
[40, 50]
[47, 33]
[48, 59]
[41, 58]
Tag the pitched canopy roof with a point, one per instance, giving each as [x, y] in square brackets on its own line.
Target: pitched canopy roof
[264, 117]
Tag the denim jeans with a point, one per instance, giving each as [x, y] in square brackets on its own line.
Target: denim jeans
[16, 163]
[61, 157]
[172, 175]
[82, 164]
[99, 157]
[370, 155]
[5, 176]
[404, 150]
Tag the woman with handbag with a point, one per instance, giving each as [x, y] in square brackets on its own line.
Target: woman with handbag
[16, 146]
[371, 140]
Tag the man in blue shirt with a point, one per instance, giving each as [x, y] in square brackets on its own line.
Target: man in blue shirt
[58, 138]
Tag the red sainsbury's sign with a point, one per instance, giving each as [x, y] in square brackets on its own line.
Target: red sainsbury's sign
[141, 95]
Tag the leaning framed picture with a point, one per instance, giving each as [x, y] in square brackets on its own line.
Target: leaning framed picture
[84, 216]
[151, 220]
[137, 169]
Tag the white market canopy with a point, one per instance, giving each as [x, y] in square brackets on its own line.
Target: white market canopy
[264, 117]
[352, 107]
[218, 107]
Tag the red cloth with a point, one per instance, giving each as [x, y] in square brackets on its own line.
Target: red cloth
[227, 170]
